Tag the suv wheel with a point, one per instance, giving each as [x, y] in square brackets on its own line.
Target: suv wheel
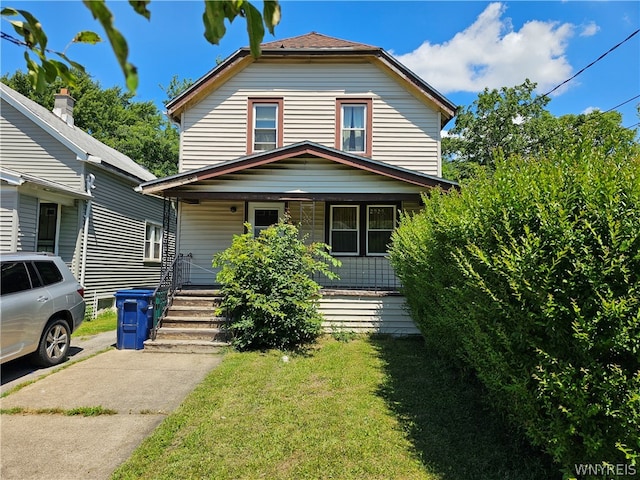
[54, 344]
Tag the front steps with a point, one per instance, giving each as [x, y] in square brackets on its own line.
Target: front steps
[191, 325]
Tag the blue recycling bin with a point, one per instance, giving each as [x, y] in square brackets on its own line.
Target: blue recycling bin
[135, 317]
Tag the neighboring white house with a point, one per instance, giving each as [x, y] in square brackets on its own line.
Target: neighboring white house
[65, 192]
[338, 134]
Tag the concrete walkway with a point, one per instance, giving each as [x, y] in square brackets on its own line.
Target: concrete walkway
[142, 387]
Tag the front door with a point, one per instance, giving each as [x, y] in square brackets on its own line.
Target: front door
[47, 228]
[264, 214]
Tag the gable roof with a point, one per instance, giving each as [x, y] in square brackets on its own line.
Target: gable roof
[295, 150]
[311, 45]
[85, 147]
[315, 40]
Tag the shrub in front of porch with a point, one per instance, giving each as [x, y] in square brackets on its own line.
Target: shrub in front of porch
[268, 290]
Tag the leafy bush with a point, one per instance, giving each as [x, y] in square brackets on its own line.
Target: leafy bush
[531, 278]
[268, 289]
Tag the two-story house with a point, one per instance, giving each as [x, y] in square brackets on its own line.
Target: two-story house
[64, 192]
[338, 134]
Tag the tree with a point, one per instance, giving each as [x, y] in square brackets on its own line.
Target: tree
[43, 69]
[137, 129]
[512, 122]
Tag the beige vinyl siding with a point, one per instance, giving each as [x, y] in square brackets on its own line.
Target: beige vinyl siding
[405, 130]
[306, 175]
[115, 248]
[27, 148]
[27, 223]
[70, 231]
[8, 217]
[206, 229]
[364, 312]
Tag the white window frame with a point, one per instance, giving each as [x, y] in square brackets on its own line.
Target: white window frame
[56, 240]
[253, 206]
[393, 209]
[344, 128]
[357, 230]
[152, 243]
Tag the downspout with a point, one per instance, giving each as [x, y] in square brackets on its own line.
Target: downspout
[85, 234]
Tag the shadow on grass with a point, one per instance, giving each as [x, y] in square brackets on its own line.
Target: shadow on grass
[453, 433]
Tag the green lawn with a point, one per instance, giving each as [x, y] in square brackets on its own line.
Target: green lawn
[105, 322]
[371, 408]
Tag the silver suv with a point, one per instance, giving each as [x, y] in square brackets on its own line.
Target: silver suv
[41, 304]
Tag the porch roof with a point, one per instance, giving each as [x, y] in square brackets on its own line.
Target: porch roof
[170, 186]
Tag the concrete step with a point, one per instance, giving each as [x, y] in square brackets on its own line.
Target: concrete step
[182, 333]
[199, 293]
[188, 301]
[185, 346]
[191, 311]
[193, 322]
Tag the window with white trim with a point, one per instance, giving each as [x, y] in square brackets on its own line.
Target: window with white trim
[354, 123]
[381, 220]
[344, 231]
[264, 124]
[152, 242]
[353, 127]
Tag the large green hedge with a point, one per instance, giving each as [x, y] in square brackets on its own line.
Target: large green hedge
[531, 278]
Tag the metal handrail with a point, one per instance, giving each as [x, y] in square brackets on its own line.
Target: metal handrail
[172, 280]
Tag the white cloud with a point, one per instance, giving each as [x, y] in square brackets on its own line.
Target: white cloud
[490, 53]
[589, 30]
[589, 110]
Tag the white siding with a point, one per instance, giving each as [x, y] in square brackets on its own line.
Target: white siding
[8, 218]
[115, 247]
[405, 131]
[361, 312]
[70, 231]
[27, 223]
[303, 175]
[27, 148]
[206, 229]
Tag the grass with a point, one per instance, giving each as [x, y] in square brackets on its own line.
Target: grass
[105, 322]
[72, 412]
[375, 408]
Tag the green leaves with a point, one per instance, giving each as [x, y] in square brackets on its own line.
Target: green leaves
[216, 12]
[45, 70]
[533, 276]
[268, 287]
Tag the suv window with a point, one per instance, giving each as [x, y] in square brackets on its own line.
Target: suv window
[35, 278]
[14, 277]
[48, 272]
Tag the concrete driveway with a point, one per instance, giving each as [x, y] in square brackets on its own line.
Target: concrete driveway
[142, 387]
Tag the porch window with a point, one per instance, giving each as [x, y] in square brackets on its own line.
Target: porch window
[344, 229]
[381, 220]
[264, 124]
[357, 228]
[353, 125]
[152, 242]
[48, 226]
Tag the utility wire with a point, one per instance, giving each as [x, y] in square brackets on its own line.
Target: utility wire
[591, 64]
[621, 104]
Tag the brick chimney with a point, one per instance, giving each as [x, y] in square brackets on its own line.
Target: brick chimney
[63, 106]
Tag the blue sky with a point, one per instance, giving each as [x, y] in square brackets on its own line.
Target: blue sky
[459, 47]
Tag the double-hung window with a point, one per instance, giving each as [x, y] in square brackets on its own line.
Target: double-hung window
[344, 229]
[361, 228]
[381, 220]
[353, 125]
[264, 124]
[152, 242]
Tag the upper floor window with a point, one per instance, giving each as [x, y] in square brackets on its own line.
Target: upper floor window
[353, 125]
[264, 124]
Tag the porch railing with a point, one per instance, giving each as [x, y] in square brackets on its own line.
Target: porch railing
[174, 277]
[362, 273]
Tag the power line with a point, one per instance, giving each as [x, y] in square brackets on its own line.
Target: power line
[621, 104]
[591, 64]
